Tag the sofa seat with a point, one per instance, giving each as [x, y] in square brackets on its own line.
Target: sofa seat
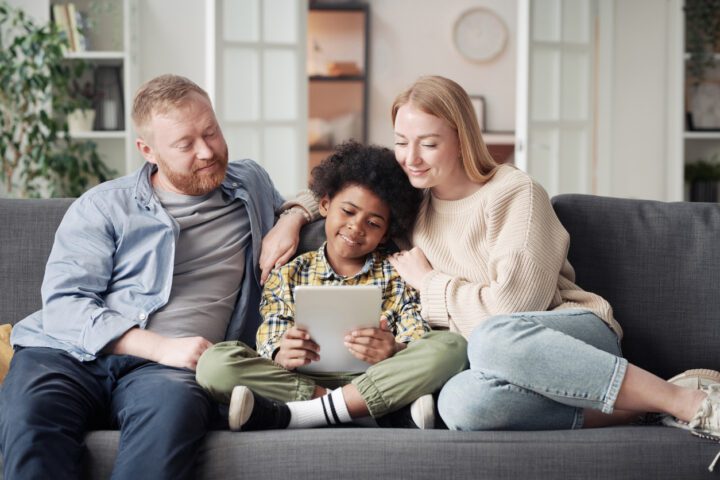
[631, 453]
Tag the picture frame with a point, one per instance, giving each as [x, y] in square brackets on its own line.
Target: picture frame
[478, 103]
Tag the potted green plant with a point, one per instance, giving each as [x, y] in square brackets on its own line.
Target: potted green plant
[703, 177]
[38, 156]
[82, 117]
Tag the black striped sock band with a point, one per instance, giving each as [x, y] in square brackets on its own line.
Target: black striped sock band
[329, 406]
[332, 409]
[325, 411]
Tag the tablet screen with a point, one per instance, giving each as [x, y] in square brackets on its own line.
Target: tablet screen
[328, 313]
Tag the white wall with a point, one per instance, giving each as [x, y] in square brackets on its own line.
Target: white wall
[39, 10]
[172, 39]
[640, 101]
[410, 38]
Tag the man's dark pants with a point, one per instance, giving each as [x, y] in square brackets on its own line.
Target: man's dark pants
[50, 400]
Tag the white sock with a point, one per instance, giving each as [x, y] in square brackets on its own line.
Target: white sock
[330, 409]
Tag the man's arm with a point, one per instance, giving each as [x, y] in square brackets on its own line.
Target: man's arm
[280, 243]
[174, 352]
[78, 273]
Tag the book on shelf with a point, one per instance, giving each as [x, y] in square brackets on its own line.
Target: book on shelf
[61, 21]
[76, 28]
[72, 22]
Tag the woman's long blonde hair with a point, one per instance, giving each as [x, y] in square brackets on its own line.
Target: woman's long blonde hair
[443, 98]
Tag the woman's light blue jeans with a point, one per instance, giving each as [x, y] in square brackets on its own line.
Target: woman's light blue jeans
[535, 371]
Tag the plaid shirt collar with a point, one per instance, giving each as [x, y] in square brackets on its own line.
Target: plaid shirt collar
[325, 271]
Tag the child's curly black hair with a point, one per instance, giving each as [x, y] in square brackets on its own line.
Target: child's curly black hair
[376, 169]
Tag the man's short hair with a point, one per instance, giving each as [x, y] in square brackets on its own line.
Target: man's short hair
[159, 95]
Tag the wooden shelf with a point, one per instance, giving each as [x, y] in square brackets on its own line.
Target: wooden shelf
[702, 135]
[339, 78]
[100, 135]
[335, 6]
[499, 138]
[338, 31]
[501, 145]
[98, 57]
[111, 39]
[716, 56]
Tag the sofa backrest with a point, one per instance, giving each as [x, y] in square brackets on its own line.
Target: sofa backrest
[658, 264]
[312, 236]
[27, 230]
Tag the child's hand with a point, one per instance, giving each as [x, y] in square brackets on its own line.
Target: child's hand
[373, 345]
[296, 349]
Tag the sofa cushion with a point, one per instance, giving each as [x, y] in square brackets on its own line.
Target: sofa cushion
[26, 237]
[312, 236]
[658, 264]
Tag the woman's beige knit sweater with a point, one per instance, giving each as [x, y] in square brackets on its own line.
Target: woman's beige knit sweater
[501, 250]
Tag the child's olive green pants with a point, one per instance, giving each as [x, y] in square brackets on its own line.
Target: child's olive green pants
[422, 368]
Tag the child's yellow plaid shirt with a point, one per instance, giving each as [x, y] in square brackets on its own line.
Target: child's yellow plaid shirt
[400, 302]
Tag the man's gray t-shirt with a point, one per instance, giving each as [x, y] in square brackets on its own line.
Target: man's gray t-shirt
[209, 265]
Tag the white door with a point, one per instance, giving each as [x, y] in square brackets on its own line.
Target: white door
[261, 85]
[555, 93]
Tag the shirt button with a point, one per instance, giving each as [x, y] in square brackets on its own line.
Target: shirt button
[142, 316]
[235, 185]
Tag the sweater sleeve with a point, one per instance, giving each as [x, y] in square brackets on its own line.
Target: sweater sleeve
[305, 199]
[527, 247]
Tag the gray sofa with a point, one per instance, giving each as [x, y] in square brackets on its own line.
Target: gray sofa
[657, 263]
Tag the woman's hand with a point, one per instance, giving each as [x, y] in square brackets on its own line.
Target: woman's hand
[296, 349]
[280, 243]
[373, 345]
[412, 265]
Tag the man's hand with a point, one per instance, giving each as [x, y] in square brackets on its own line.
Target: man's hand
[296, 349]
[174, 352]
[412, 265]
[181, 352]
[373, 345]
[280, 243]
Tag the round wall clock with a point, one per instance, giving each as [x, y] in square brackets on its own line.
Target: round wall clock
[479, 35]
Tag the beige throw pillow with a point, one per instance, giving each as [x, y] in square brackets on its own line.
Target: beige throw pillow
[6, 351]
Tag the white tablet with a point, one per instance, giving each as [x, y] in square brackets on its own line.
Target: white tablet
[328, 313]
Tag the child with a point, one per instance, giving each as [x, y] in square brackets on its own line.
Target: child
[365, 198]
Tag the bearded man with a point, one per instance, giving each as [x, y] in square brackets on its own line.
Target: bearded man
[146, 272]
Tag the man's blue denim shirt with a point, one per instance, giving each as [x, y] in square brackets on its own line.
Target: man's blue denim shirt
[111, 265]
